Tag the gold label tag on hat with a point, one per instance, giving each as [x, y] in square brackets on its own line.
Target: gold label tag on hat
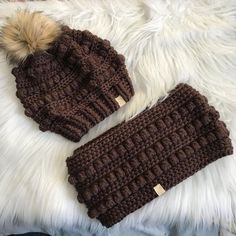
[159, 189]
[120, 101]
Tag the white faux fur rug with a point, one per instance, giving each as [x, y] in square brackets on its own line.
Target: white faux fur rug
[164, 42]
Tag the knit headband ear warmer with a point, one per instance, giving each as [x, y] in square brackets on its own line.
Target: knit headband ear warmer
[135, 162]
[67, 80]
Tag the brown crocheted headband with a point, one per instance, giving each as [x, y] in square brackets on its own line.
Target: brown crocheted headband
[67, 80]
[134, 162]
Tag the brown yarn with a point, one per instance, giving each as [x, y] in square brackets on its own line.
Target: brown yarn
[73, 85]
[115, 173]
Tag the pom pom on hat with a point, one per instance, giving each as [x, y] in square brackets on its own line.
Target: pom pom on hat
[27, 32]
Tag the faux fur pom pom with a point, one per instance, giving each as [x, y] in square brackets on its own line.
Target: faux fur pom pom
[27, 32]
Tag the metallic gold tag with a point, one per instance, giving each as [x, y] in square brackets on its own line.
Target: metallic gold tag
[159, 189]
[120, 101]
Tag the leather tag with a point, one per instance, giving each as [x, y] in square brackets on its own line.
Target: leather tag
[159, 189]
[120, 101]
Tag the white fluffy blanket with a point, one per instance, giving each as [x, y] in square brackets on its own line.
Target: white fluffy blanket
[164, 42]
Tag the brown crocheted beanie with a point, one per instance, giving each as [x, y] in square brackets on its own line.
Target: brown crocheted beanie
[135, 162]
[67, 80]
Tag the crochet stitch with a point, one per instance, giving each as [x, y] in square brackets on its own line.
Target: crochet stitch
[115, 174]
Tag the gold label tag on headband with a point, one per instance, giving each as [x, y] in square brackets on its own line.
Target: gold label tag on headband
[120, 101]
[159, 189]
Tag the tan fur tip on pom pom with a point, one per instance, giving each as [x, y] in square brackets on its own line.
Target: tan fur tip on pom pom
[27, 32]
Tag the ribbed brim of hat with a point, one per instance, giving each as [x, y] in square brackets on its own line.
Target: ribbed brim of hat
[115, 174]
